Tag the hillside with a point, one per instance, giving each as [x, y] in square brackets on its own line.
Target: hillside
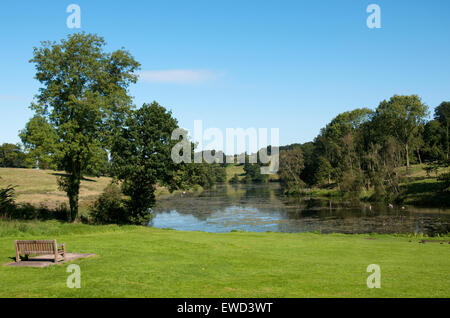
[40, 187]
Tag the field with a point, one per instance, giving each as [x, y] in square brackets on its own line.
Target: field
[147, 262]
[40, 187]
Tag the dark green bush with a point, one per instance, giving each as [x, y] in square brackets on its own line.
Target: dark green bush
[445, 179]
[351, 185]
[234, 179]
[109, 207]
[29, 212]
[6, 201]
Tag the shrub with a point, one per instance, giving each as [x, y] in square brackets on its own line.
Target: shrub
[445, 179]
[29, 212]
[7, 200]
[234, 179]
[109, 207]
[351, 185]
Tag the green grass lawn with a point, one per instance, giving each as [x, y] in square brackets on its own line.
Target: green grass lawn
[146, 262]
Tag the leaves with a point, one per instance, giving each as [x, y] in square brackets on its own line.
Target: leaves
[141, 156]
[85, 100]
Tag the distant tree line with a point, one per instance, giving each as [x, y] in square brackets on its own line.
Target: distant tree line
[366, 148]
[12, 156]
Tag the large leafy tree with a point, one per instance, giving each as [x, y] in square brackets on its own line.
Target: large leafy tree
[339, 143]
[401, 118]
[433, 141]
[442, 114]
[141, 157]
[85, 98]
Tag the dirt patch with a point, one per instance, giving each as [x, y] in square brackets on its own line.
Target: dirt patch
[47, 260]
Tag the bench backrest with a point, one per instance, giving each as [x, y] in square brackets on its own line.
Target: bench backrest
[36, 246]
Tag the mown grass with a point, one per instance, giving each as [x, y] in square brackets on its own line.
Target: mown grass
[146, 262]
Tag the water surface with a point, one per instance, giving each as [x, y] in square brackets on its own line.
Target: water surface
[261, 208]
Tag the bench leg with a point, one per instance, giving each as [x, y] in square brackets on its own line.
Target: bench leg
[17, 252]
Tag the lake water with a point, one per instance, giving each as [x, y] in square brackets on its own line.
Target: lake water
[261, 208]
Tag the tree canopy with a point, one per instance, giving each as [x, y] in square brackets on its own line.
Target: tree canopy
[84, 97]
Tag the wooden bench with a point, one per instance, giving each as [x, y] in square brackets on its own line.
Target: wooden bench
[39, 247]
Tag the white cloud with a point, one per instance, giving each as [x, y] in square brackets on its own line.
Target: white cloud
[177, 76]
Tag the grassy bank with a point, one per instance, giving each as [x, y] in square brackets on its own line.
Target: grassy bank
[146, 262]
[417, 188]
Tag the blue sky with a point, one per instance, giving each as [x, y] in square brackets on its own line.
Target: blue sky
[291, 65]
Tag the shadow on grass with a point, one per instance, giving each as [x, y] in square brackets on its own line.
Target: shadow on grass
[29, 212]
[425, 193]
[65, 175]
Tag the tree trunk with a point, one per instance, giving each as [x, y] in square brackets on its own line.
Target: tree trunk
[73, 190]
[448, 143]
[73, 202]
[407, 156]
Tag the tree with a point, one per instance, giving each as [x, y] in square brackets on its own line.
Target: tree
[141, 157]
[309, 158]
[433, 141]
[324, 170]
[442, 114]
[338, 146]
[84, 97]
[252, 173]
[382, 161]
[12, 156]
[39, 138]
[290, 170]
[401, 117]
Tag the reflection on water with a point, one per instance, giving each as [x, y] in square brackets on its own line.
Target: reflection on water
[261, 208]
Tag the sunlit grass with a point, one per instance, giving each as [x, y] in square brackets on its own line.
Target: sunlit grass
[40, 187]
[146, 262]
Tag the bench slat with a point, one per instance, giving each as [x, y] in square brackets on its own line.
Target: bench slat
[38, 247]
